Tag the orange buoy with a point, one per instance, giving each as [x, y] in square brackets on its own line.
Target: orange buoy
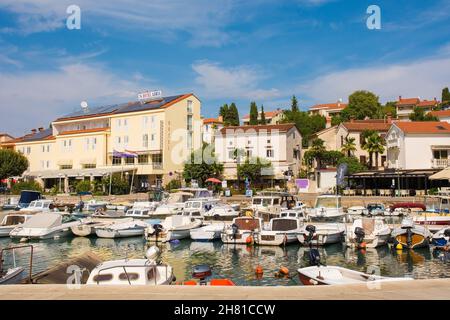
[362, 245]
[259, 270]
[249, 240]
[284, 271]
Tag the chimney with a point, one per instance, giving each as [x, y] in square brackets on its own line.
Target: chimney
[399, 98]
[389, 118]
[41, 129]
[220, 118]
[33, 131]
[352, 119]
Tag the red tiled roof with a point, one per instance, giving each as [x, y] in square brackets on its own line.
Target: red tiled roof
[336, 105]
[64, 133]
[425, 127]
[267, 114]
[372, 124]
[212, 120]
[264, 127]
[408, 101]
[440, 113]
[428, 103]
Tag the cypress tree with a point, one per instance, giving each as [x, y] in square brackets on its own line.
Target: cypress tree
[294, 104]
[263, 116]
[224, 112]
[233, 115]
[253, 113]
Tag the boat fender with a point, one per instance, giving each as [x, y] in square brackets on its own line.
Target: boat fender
[313, 282]
[362, 245]
[399, 246]
[259, 270]
[284, 271]
[249, 240]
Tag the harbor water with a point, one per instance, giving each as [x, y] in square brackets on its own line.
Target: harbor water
[236, 262]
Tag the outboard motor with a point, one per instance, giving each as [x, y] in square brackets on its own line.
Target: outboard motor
[158, 229]
[235, 229]
[201, 272]
[447, 232]
[311, 230]
[359, 233]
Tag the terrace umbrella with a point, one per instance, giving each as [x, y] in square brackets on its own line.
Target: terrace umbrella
[441, 175]
[213, 180]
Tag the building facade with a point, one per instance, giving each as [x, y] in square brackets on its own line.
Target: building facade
[405, 106]
[418, 145]
[280, 144]
[210, 127]
[272, 117]
[442, 115]
[328, 110]
[146, 141]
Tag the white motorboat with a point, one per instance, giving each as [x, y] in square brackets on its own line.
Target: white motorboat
[172, 228]
[10, 203]
[44, 226]
[88, 227]
[281, 231]
[125, 229]
[197, 192]
[142, 209]
[442, 237]
[11, 221]
[15, 273]
[207, 233]
[133, 271]
[322, 234]
[268, 204]
[39, 206]
[103, 214]
[95, 204]
[221, 212]
[357, 210]
[375, 209]
[411, 236]
[242, 231]
[333, 275]
[173, 204]
[327, 207]
[367, 232]
[435, 217]
[202, 205]
[12, 275]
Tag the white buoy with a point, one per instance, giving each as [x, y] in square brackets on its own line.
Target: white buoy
[152, 253]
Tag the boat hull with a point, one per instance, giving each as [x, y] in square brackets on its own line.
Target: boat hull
[12, 276]
[278, 239]
[321, 238]
[111, 233]
[238, 238]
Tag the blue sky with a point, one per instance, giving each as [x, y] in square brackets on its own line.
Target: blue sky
[223, 51]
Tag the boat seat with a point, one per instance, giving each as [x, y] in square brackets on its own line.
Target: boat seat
[331, 274]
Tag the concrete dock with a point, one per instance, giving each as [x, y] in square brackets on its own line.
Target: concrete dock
[404, 290]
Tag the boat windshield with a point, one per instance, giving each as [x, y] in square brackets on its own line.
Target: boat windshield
[13, 220]
[328, 202]
[193, 204]
[267, 202]
[33, 204]
[257, 201]
[46, 205]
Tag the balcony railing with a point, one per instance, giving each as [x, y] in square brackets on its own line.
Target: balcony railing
[157, 166]
[440, 163]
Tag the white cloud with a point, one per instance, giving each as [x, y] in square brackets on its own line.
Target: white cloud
[315, 2]
[32, 99]
[203, 20]
[239, 82]
[424, 78]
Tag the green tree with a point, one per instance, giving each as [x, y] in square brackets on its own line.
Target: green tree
[83, 186]
[353, 164]
[25, 185]
[316, 152]
[306, 124]
[12, 163]
[362, 104]
[202, 164]
[336, 120]
[251, 168]
[374, 145]
[263, 116]
[365, 134]
[294, 104]
[418, 114]
[253, 113]
[349, 146]
[223, 111]
[233, 115]
[445, 95]
[119, 185]
[390, 108]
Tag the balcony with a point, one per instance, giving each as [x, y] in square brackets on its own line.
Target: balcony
[440, 163]
[157, 166]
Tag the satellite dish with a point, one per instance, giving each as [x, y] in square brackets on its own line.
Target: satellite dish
[84, 105]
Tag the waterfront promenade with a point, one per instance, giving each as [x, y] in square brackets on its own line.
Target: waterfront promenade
[408, 290]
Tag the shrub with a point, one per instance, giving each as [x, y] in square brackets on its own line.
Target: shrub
[173, 184]
[83, 186]
[25, 185]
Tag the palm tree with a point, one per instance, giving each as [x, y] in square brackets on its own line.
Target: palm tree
[349, 146]
[374, 145]
[317, 147]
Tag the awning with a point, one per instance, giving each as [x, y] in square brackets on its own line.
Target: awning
[441, 175]
[71, 173]
[67, 162]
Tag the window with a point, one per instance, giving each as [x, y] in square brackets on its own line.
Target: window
[383, 160]
[94, 143]
[152, 137]
[42, 164]
[28, 150]
[89, 166]
[342, 141]
[145, 140]
[125, 122]
[249, 153]
[269, 153]
[144, 122]
[125, 140]
[440, 154]
[231, 143]
[143, 158]
[362, 159]
[48, 148]
[119, 122]
[102, 277]
[129, 160]
[86, 144]
[231, 154]
[118, 140]
[152, 119]
[116, 161]
[157, 158]
[43, 148]
[189, 122]
[65, 167]
[189, 106]
[48, 164]
[268, 141]
[129, 276]
[189, 140]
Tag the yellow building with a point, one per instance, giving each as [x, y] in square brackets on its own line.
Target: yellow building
[147, 141]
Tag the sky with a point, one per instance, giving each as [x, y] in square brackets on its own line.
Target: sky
[222, 50]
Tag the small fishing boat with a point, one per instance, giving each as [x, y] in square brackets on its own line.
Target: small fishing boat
[367, 232]
[125, 229]
[15, 274]
[357, 210]
[375, 209]
[442, 237]
[133, 271]
[141, 210]
[202, 205]
[321, 234]
[88, 227]
[103, 214]
[11, 221]
[173, 204]
[26, 197]
[224, 212]
[39, 206]
[327, 208]
[269, 204]
[242, 230]
[44, 226]
[95, 204]
[333, 275]
[10, 204]
[411, 236]
[207, 233]
[281, 231]
[404, 208]
[201, 273]
[172, 228]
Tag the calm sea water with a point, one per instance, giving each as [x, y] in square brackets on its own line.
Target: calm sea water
[237, 262]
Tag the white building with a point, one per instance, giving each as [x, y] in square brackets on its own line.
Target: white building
[279, 143]
[442, 115]
[405, 106]
[418, 145]
[210, 127]
[328, 110]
